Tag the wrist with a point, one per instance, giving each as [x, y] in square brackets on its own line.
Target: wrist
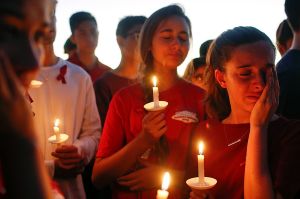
[146, 140]
[259, 127]
[258, 131]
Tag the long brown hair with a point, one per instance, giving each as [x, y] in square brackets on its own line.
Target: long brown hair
[217, 100]
[146, 37]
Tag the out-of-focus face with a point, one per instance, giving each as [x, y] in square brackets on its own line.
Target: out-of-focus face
[85, 36]
[170, 43]
[50, 34]
[283, 48]
[245, 74]
[130, 43]
[25, 37]
[198, 78]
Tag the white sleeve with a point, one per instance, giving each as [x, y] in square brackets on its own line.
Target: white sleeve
[88, 139]
[50, 167]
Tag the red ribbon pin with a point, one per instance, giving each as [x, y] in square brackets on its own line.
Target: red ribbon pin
[62, 72]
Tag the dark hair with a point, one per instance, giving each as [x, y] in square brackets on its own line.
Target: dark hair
[292, 10]
[69, 45]
[283, 33]
[204, 48]
[217, 100]
[127, 23]
[77, 18]
[11, 7]
[192, 67]
[198, 62]
[146, 37]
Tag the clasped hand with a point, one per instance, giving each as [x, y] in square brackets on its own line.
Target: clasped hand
[154, 126]
[69, 162]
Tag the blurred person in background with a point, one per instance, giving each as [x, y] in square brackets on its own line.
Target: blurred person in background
[284, 37]
[85, 36]
[288, 68]
[195, 70]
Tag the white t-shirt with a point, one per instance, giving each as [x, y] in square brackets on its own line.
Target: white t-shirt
[74, 105]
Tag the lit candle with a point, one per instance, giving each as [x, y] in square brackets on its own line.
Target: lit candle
[35, 83]
[163, 193]
[155, 93]
[201, 164]
[56, 129]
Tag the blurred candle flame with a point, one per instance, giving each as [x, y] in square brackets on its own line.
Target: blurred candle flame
[201, 147]
[154, 80]
[56, 122]
[166, 181]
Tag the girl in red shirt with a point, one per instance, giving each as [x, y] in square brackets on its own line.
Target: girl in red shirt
[251, 151]
[129, 131]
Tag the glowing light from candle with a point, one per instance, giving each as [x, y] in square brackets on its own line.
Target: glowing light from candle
[35, 83]
[166, 181]
[155, 92]
[56, 129]
[154, 80]
[163, 193]
[201, 147]
[201, 164]
[56, 122]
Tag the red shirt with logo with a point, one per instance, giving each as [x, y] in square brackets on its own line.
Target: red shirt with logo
[124, 122]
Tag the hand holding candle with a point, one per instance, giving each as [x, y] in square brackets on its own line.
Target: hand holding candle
[163, 193]
[56, 129]
[201, 164]
[155, 93]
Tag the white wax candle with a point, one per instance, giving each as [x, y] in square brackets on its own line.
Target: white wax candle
[155, 93]
[201, 164]
[56, 129]
[163, 193]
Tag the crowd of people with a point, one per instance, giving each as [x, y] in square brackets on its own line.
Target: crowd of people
[84, 131]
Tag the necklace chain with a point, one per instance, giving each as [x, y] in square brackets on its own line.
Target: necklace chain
[229, 144]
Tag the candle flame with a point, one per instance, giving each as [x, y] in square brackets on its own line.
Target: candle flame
[35, 83]
[154, 80]
[166, 181]
[201, 147]
[56, 122]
